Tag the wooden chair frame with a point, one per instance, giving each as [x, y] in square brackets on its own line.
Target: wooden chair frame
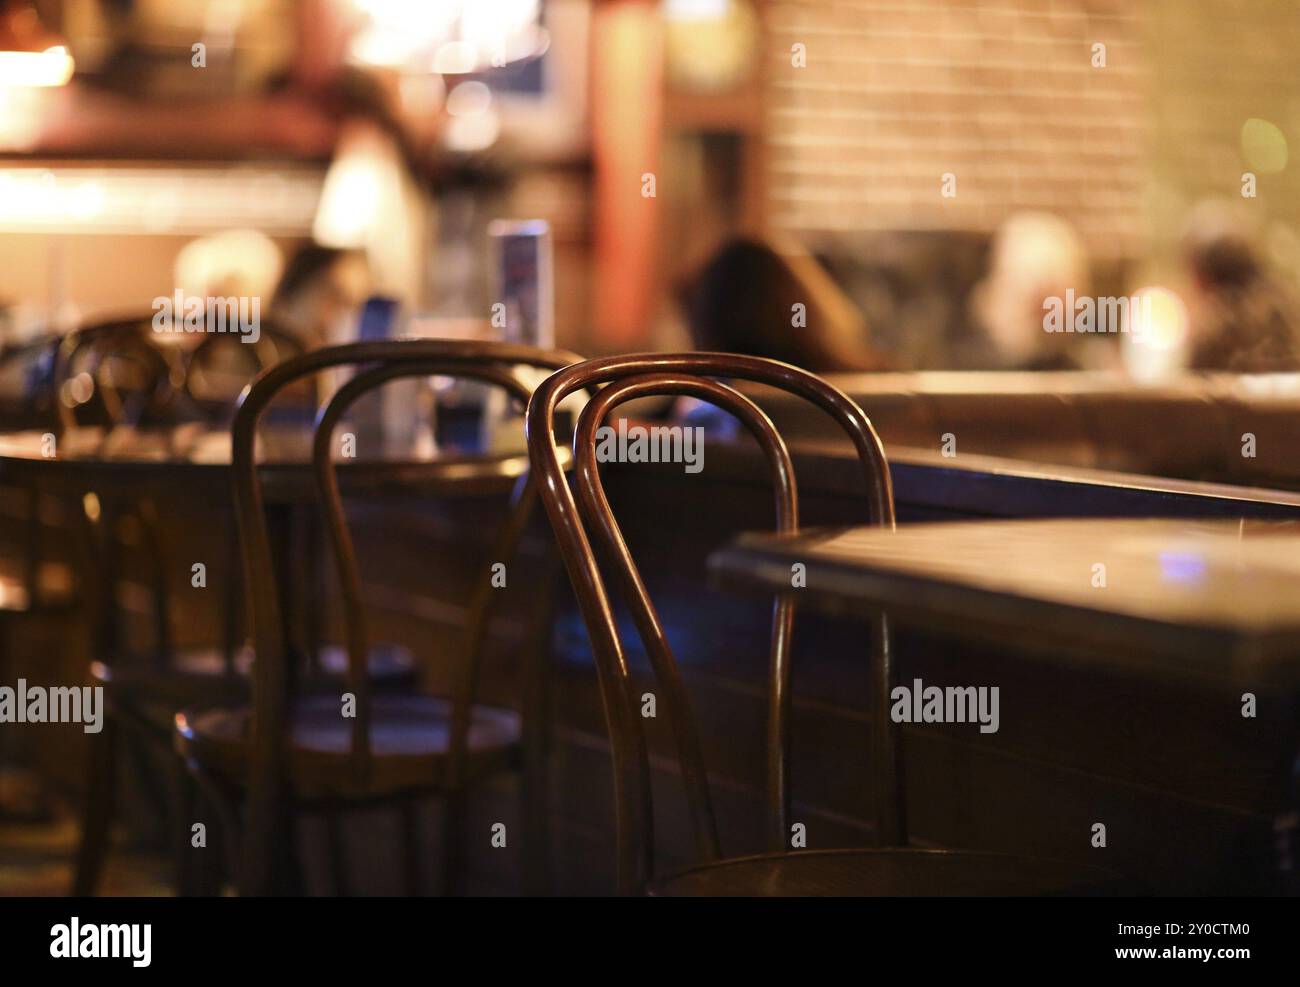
[271, 677]
[692, 374]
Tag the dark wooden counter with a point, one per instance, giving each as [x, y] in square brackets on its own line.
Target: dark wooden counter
[1195, 427]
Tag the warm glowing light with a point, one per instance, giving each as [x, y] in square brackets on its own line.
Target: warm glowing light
[1155, 348]
[233, 262]
[455, 58]
[36, 69]
[450, 37]
[488, 23]
[1264, 146]
[22, 114]
[473, 124]
[711, 44]
[472, 133]
[1163, 324]
[696, 10]
[364, 202]
[30, 195]
[351, 196]
[469, 98]
[185, 201]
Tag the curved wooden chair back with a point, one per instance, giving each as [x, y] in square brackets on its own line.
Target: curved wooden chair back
[379, 361]
[27, 399]
[100, 352]
[274, 345]
[695, 375]
[340, 538]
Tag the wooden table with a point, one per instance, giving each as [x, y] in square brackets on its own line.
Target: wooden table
[1145, 729]
[1218, 599]
[190, 466]
[194, 462]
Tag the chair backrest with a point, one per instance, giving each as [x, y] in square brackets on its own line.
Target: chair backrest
[113, 373]
[699, 375]
[27, 400]
[340, 537]
[213, 387]
[378, 362]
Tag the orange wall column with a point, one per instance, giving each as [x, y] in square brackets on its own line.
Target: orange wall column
[627, 127]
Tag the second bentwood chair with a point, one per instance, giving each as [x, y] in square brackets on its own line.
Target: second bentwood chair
[891, 869]
[290, 750]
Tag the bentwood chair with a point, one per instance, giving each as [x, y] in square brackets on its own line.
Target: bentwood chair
[114, 374]
[291, 748]
[33, 583]
[104, 375]
[891, 869]
[144, 690]
[221, 365]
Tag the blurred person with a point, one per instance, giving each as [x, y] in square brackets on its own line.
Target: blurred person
[233, 262]
[1243, 316]
[1034, 256]
[752, 298]
[321, 293]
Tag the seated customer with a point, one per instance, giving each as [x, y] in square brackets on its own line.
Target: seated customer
[321, 293]
[1243, 317]
[1034, 256]
[749, 298]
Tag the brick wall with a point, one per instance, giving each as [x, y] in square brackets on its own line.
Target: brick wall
[1002, 94]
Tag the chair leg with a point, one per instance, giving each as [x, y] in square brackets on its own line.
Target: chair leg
[453, 835]
[269, 863]
[534, 812]
[139, 744]
[197, 869]
[338, 852]
[410, 849]
[223, 832]
[208, 874]
[534, 792]
[97, 817]
[534, 787]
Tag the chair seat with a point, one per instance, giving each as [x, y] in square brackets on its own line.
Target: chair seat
[197, 676]
[409, 737]
[887, 872]
[154, 693]
[390, 664]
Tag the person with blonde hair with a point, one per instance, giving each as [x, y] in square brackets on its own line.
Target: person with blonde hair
[1034, 256]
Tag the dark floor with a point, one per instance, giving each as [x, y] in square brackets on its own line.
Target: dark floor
[39, 850]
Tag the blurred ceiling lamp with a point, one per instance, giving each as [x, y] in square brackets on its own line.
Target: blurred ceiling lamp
[360, 200]
[350, 201]
[30, 56]
[450, 37]
[472, 123]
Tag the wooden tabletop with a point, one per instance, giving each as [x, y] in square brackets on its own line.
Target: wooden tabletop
[1212, 598]
[193, 461]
